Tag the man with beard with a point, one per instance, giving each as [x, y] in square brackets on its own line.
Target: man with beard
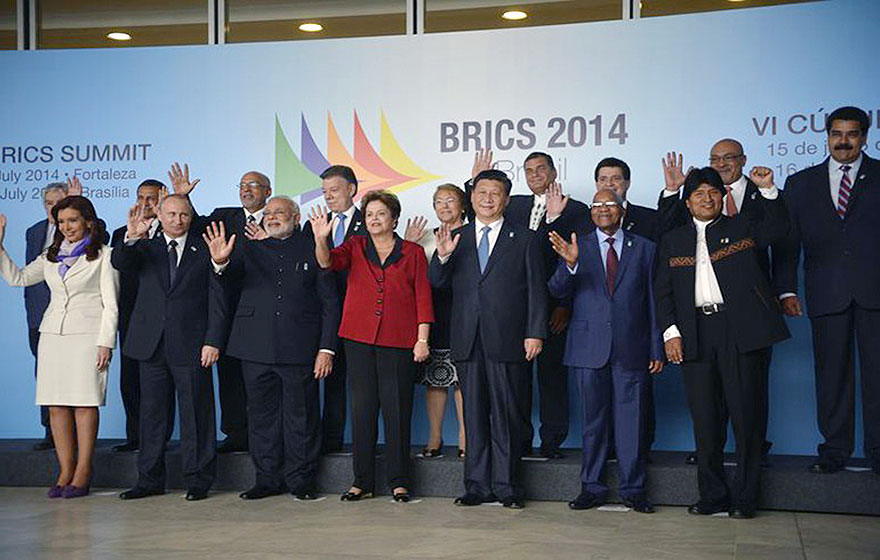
[284, 333]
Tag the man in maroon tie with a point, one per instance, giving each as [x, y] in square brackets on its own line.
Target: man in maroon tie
[834, 209]
[612, 346]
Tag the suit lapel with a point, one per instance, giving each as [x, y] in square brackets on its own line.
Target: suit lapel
[860, 183]
[823, 190]
[157, 250]
[625, 256]
[593, 257]
[355, 224]
[80, 265]
[505, 237]
[190, 255]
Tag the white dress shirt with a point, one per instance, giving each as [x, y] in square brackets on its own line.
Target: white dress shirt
[706, 288]
[349, 215]
[181, 244]
[835, 175]
[258, 215]
[738, 192]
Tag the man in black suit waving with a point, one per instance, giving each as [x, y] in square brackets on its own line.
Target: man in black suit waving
[834, 209]
[178, 326]
[499, 322]
[284, 332]
[339, 184]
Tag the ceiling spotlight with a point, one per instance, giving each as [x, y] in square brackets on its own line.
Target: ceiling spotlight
[311, 27]
[514, 15]
[119, 36]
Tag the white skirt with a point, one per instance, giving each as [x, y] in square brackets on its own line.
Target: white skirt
[66, 374]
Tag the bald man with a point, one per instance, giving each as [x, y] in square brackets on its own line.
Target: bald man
[254, 189]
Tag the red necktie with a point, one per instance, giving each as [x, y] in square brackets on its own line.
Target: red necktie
[729, 203]
[844, 192]
[610, 266]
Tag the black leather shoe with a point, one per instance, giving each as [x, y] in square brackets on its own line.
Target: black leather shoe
[230, 445]
[305, 495]
[401, 497]
[586, 500]
[513, 503]
[741, 513]
[702, 508]
[824, 466]
[258, 493]
[44, 444]
[139, 492]
[196, 494]
[638, 504]
[469, 500]
[126, 447]
[691, 459]
[553, 453]
[355, 496]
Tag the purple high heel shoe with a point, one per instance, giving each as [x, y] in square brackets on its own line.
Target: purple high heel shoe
[56, 491]
[74, 491]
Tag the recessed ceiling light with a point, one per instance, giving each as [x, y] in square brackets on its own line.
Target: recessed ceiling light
[311, 27]
[514, 15]
[119, 36]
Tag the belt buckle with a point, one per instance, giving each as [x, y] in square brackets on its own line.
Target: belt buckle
[709, 308]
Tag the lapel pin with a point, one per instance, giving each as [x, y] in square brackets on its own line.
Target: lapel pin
[305, 266]
[193, 249]
[511, 235]
[861, 177]
[629, 226]
[725, 240]
[629, 243]
[754, 195]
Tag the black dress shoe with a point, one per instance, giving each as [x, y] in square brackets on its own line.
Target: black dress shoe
[355, 496]
[703, 508]
[638, 503]
[401, 497]
[825, 466]
[258, 493]
[586, 500]
[305, 495]
[691, 459]
[139, 492]
[469, 500]
[196, 494]
[230, 445]
[513, 503]
[126, 447]
[44, 444]
[741, 513]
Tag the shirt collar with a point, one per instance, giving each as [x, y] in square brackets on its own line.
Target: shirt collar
[258, 215]
[540, 197]
[617, 236]
[739, 184]
[181, 241]
[493, 226]
[349, 214]
[834, 166]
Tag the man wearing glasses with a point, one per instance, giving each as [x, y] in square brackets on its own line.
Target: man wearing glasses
[254, 189]
[728, 158]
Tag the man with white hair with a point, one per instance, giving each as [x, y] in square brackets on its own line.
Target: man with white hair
[284, 333]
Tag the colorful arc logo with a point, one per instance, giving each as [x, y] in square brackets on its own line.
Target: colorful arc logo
[389, 168]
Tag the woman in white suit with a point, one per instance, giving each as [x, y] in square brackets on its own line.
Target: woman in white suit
[76, 336]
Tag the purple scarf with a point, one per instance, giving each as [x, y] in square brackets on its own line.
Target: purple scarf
[68, 253]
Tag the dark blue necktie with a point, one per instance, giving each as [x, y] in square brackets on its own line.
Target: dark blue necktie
[172, 261]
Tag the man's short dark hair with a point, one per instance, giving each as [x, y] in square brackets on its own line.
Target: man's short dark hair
[612, 162]
[547, 158]
[702, 176]
[494, 175]
[849, 114]
[343, 171]
[151, 183]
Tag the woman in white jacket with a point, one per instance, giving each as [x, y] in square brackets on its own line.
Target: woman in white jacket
[77, 334]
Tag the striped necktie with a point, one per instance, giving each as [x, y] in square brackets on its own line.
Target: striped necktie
[844, 192]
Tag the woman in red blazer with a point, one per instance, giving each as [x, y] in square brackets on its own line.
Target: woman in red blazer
[386, 321]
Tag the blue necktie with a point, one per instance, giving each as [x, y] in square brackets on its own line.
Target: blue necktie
[339, 236]
[483, 248]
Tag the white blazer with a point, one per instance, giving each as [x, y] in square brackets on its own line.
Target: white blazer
[83, 302]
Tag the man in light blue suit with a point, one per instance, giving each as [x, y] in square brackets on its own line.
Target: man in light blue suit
[613, 345]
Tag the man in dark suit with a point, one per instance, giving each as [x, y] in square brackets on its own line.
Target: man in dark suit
[254, 189]
[129, 377]
[284, 332]
[339, 185]
[499, 322]
[718, 315]
[613, 346]
[728, 158]
[545, 209]
[38, 237]
[178, 326]
[834, 209]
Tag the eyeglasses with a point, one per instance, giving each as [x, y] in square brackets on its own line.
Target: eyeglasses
[606, 204]
[253, 185]
[726, 158]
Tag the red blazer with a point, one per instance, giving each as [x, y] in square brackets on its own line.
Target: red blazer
[383, 306]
